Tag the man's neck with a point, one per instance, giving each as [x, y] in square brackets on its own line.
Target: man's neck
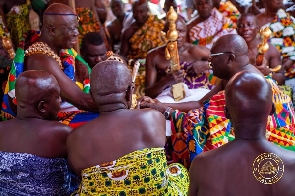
[121, 17]
[107, 108]
[52, 46]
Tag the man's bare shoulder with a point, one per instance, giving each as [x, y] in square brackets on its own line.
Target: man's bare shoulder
[273, 51]
[156, 51]
[41, 62]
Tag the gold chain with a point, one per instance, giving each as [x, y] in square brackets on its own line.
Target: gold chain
[43, 48]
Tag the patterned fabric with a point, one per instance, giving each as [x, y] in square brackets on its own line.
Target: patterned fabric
[68, 58]
[26, 174]
[142, 172]
[89, 23]
[18, 23]
[149, 36]
[207, 32]
[283, 37]
[192, 80]
[229, 10]
[207, 128]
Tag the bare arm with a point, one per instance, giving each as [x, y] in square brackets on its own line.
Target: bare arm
[101, 11]
[187, 106]
[111, 33]
[275, 60]
[125, 45]
[70, 92]
[194, 178]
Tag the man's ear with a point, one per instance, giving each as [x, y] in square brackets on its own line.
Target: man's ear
[232, 57]
[51, 30]
[273, 109]
[227, 114]
[42, 106]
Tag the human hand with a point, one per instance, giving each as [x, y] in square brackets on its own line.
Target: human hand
[264, 69]
[144, 101]
[156, 106]
[198, 67]
[174, 77]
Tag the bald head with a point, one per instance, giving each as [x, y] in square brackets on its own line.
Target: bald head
[231, 43]
[109, 81]
[34, 86]
[248, 97]
[56, 13]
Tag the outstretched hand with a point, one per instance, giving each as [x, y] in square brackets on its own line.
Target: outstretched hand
[147, 102]
[198, 67]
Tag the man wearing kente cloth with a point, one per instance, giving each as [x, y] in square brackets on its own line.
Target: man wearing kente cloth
[209, 25]
[205, 126]
[135, 162]
[19, 18]
[282, 25]
[143, 34]
[40, 52]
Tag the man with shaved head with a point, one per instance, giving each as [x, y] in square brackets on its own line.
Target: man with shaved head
[127, 156]
[250, 163]
[33, 143]
[59, 31]
[205, 125]
[247, 27]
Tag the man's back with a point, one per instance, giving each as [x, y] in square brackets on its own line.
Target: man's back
[251, 168]
[121, 132]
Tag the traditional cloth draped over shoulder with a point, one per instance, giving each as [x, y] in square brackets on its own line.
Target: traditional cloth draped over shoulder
[89, 23]
[229, 10]
[208, 128]
[283, 30]
[142, 172]
[26, 174]
[18, 22]
[207, 32]
[147, 37]
[67, 58]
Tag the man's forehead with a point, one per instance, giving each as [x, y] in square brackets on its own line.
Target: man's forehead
[140, 5]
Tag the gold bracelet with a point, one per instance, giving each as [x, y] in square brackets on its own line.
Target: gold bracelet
[276, 69]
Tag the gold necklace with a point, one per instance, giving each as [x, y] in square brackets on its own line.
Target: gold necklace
[43, 48]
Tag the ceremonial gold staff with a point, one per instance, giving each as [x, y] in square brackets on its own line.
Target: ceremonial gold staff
[171, 53]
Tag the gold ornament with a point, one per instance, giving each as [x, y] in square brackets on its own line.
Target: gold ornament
[7, 44]
[171, 53]
[268, 168]
[263, 47]
[43, 48]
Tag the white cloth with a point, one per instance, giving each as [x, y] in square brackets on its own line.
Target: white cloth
[190, 95]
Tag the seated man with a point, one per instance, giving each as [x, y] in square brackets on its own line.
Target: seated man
[249, 160]
[33, 145]
[205, 126]
[138, 166]
[282, 26]
[122, 21]
[194, 65]
[247, 28]
[143, 34]
[59, 32]
[209, 25]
